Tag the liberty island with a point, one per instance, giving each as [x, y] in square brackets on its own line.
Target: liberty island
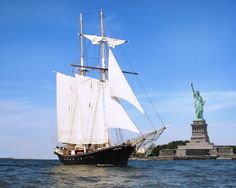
[199, 146]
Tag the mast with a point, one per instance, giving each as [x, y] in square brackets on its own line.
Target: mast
[82, 71]
[81, 45]
[103, 46]
[103, 68]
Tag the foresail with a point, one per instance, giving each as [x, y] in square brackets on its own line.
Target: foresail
[110, 41]
[119, 86]
[68, 128]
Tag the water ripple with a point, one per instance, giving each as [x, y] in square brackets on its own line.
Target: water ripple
[140, 174]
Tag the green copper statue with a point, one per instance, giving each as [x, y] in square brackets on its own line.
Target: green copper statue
[198, 104]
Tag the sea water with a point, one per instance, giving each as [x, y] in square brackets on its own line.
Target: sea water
[139, 173]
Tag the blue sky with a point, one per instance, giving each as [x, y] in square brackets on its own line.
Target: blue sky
[171, 44]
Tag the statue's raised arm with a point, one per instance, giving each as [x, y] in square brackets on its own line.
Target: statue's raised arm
[194, 94]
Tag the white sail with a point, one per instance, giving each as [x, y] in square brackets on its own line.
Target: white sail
[116, 116]
[99, 110]
[119, 86]
[80, 113]
[87, 107]
[67, 112]
[90, 104]
[94, 38]
[114, 42]
[110, 41]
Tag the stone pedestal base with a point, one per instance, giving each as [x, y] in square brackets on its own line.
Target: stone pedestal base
[199, 144]
[199, 132]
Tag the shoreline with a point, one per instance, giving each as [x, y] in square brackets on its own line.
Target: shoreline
[167, 158]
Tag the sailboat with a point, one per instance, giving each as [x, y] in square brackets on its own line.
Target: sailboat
[87, 108]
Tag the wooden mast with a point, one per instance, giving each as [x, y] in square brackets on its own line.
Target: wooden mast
[103, 46]
[103, 79]
[82, 70]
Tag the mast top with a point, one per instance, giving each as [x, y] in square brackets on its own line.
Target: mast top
[102, 47]
[81, 45]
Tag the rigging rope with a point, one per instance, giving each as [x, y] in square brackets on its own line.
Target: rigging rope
[86, 59]
[140, 83]
[153, 106]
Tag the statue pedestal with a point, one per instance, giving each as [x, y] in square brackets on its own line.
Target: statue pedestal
[199, 144]
[199, 132]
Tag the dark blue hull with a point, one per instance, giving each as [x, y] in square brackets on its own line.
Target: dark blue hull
[115, 156]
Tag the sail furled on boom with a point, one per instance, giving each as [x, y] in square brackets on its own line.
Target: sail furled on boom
[94, 38]
[110, 41]
[119, 87]
[114, 42]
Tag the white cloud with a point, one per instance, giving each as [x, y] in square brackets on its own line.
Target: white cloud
[220, 100]
[113, 24]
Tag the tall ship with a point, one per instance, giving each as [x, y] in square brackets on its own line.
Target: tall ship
[88, 108]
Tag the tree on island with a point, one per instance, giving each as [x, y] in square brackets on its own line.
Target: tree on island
[171, 145]
[154, 150]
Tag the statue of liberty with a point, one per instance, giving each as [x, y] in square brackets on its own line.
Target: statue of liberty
[198, 104]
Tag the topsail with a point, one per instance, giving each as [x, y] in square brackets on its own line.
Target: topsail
[110, 41]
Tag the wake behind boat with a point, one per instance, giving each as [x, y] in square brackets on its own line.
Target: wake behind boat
[87, 108]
